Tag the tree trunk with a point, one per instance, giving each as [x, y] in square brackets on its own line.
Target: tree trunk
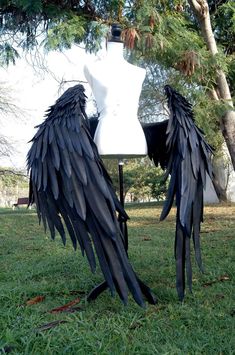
[220, 189]
[220, 192]
[223, 176]
[221, 92]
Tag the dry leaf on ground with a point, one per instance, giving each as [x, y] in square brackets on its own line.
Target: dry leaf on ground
[35, 300]
[65, 307]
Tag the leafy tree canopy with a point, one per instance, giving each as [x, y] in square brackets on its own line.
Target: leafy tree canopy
[161, 35]
[161, 31]
[161, 24]
[12, 178]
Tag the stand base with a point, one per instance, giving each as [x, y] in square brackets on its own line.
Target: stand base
[147, 292]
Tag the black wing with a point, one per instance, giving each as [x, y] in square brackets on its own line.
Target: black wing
[71, 188]
[155, 134]
[186, 156]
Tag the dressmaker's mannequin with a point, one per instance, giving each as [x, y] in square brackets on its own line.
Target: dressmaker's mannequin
[116, 86]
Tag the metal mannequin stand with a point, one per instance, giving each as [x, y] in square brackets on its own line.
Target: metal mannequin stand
[147, 292]
[123, 224]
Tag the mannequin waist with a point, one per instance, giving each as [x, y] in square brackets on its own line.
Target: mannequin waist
[117, 113]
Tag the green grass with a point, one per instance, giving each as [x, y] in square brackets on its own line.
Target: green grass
[32, 265]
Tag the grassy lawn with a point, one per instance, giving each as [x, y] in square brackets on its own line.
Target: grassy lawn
[31, 265]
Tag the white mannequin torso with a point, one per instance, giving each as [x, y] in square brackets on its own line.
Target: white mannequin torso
[116, 86]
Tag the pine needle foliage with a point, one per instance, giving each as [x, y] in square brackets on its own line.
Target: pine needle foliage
[160, 33]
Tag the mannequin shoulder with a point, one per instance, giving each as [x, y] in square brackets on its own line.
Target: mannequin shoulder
[141, 72]
[94, 66]
[106, 66]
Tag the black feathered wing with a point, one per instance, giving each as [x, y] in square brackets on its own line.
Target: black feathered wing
[155, 134]
[71, 188]
[179, 146]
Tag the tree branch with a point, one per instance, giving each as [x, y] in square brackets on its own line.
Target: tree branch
[197, 5]
[4, 172]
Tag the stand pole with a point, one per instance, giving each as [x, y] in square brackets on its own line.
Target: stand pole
[120, 173]
[123, 224]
